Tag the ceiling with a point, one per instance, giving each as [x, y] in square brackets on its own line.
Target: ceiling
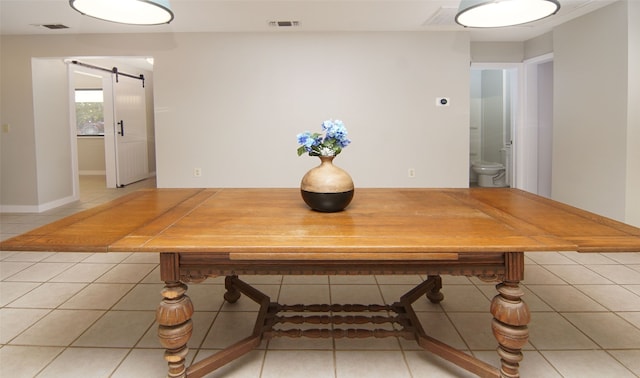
[28, 16]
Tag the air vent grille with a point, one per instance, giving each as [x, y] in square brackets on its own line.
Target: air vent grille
[284, 24]
[55, 26]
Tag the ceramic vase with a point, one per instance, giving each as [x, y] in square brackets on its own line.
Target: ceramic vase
[327, 188]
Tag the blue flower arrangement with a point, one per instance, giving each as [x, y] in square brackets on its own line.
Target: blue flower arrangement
[331, 144]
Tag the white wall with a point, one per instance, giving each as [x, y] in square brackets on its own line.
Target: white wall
[590, 112]
[232, 105]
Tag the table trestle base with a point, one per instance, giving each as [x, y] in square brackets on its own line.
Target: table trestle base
[401, 318]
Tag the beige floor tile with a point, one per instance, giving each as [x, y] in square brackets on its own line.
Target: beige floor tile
[586, 364]
[25, 361]
[425, 364]
[371, 364]
[117, 329]
[606, 329]
[464, 298]
[438, 326]
[588, 258]
[356, 294]
[83, 272]
[624, 258]
[565, 298]
[247, 366]
[548, 258]
[58, 328]
[613, 297]
[153, 277]
[13, 321]
[142, 258]
[67, 257]
[577, 274]
[40, 272]
[107, 258]
[141, 297]
[10, 291]
[633, 288]
[29, 256]
[8, 269]
[97, 296]
[142, 363]
[84, 362]
[229, 328]
[127, 273]
[631, 317]
[305, 280]
[295, 364]
[48, 295]
[206, 297]
[619, 274]
[352, 279]
[538, 275]
[304, 294]
[475, 329]
[629, 358]
[550, 331]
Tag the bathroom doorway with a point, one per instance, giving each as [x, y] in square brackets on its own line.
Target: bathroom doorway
[493, 118]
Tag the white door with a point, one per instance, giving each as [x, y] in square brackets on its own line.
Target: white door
[129, 130]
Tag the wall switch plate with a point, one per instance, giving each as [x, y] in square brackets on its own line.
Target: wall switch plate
[443, 101]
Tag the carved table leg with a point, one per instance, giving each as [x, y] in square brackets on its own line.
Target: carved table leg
[510, 318]
[175, 326]
[434, 295]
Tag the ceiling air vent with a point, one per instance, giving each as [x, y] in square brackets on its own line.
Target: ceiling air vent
[51, 26]
[284, 24]
[443, 16]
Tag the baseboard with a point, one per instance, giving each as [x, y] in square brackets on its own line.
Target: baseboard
[37, 208]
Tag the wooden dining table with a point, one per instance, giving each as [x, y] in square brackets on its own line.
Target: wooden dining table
[201, 233]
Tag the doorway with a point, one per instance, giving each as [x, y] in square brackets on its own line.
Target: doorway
[494, 115]
[125, 152]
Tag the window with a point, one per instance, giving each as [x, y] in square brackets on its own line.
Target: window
[89, 112]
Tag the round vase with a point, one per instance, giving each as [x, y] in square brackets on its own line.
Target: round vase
[326, 187]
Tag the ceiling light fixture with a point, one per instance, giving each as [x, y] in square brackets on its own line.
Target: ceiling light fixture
[134, 12]
[499, 13]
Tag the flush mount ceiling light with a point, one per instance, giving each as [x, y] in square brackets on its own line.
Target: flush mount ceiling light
[135, 12]
[499, 13]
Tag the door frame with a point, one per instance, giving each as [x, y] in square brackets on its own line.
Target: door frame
[529, 172]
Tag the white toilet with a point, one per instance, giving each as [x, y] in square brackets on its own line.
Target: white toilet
[490, 175]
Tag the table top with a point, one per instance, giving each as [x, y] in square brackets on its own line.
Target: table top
[381, 224]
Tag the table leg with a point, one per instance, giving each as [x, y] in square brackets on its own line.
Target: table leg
[434, 295]
[510, 317]
[175, 326]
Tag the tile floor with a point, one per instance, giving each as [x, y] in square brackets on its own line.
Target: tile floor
[92, 315]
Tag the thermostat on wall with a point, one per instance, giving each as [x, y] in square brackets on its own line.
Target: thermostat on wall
[442, 101]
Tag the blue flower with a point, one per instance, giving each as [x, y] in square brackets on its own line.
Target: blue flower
[335, 139]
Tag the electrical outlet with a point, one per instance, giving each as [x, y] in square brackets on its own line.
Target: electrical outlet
[411, 173]
[197, 172]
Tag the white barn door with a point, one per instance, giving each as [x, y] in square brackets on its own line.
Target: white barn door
[129, 130]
